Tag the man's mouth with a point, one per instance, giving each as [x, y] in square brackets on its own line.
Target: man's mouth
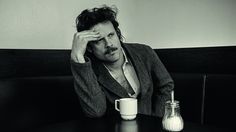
[110, 50]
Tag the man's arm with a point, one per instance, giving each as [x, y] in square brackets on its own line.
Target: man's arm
[91, 96]
[163, 84]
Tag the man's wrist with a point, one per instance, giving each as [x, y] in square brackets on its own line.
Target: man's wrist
[78, 59]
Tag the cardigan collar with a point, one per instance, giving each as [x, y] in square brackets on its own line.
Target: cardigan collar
[105, 79]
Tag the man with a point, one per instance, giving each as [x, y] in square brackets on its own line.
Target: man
[105, 68]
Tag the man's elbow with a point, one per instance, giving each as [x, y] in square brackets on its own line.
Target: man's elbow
[96, 113]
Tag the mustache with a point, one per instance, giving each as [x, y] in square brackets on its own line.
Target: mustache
[110, 49]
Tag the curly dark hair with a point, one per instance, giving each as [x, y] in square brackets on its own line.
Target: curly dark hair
[90, 17]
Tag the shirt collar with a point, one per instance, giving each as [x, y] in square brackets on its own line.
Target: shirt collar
[125, 57]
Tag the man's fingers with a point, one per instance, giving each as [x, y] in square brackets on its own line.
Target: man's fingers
[88, 36]
[87, 32]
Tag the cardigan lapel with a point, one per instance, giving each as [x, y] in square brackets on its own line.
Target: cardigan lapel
[106, 80]
[139, 67]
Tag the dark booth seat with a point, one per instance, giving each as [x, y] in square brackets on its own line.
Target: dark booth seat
[220, 100]
[36, 86]
[189, 92]
[33, 101]
[208, 76]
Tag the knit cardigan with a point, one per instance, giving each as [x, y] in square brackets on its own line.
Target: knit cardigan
[97, 89]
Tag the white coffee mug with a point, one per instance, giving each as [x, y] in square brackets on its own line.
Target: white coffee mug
[128, 108]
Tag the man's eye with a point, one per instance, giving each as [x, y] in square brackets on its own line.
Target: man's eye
[100, 41]
[111, 34]
[93, 42]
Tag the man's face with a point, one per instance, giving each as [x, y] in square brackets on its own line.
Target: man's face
[108, 48]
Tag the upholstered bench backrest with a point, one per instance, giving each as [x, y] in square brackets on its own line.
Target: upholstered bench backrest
[36, 86]
[204, 82]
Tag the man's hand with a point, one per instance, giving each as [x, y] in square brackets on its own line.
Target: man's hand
[80, 42]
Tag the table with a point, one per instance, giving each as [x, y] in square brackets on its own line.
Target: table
[142, 123]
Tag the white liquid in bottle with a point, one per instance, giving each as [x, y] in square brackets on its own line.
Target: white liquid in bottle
[173, 124]
[172, 120]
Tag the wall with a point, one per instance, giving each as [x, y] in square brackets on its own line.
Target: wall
[50, 24]
[186, 23]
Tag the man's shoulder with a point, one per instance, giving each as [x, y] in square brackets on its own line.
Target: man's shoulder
[137, 46]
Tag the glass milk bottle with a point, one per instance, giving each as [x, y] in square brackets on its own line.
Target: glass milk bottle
[172, 120]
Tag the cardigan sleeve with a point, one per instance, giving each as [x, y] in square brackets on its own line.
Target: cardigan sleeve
[91, 96]
[163, 84]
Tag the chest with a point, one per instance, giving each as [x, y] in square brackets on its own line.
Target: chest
[119, 76]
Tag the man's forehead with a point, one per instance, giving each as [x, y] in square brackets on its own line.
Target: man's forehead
[103, 28]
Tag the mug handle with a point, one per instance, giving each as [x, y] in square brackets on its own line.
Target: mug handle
[116, 102]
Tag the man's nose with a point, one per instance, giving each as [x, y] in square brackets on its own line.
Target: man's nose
[108, 42]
